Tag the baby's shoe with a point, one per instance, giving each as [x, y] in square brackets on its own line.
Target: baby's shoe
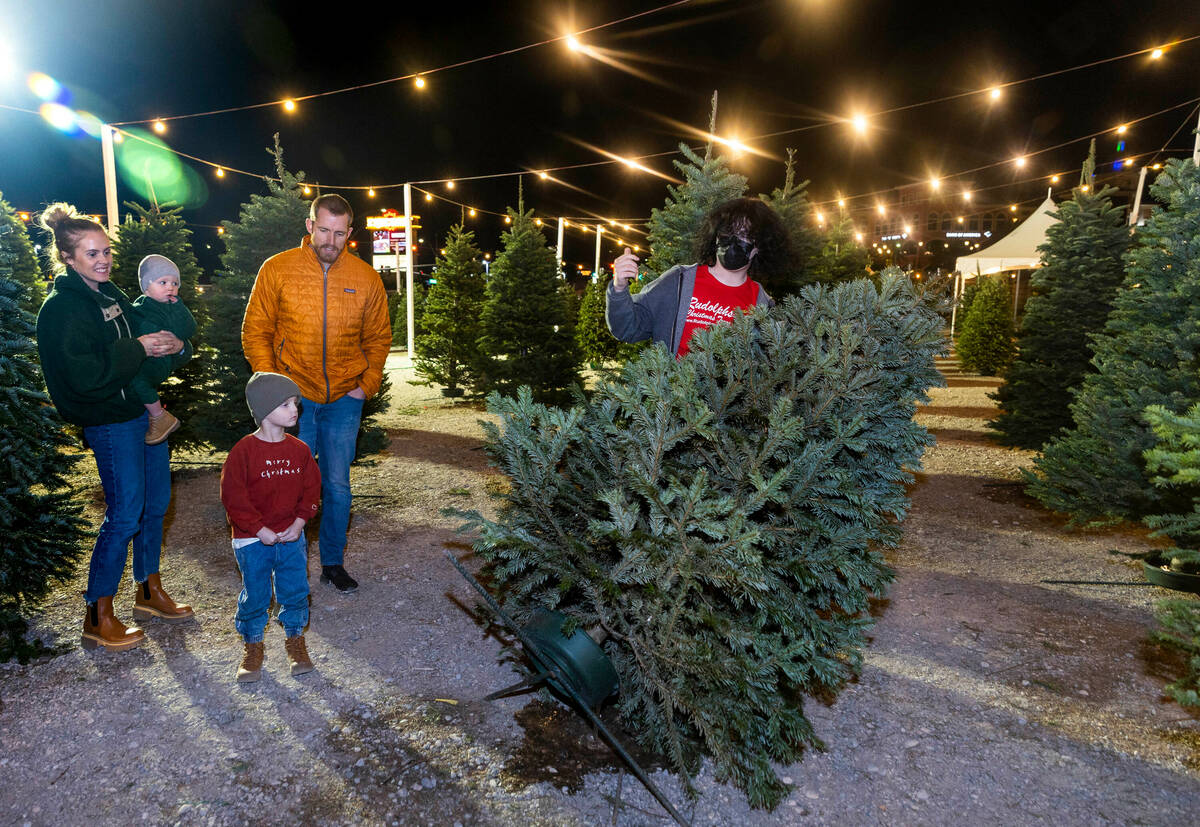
[160, 427]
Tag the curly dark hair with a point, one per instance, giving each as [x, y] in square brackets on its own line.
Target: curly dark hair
[761, 224]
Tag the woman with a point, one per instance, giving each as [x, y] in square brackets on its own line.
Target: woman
[89, 354]
[740, 240]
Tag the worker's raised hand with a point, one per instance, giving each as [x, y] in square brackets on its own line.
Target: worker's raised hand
[625, 270]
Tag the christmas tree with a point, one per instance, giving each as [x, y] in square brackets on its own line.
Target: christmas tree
[791, 204]
[266, 225]
[22, 264]
[39, 518]
[526, 337]
[398, 307]
[596, 345]
[1146, 355]
[985, 345]
[449, 344]
[720, 517]
[673, 229]
[1072, 296]
[163, 231]
[842, 256]
[1175, 458]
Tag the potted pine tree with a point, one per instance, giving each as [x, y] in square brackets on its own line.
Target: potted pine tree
[1177, 461]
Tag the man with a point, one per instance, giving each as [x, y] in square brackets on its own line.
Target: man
[740, 238]
[318, 315]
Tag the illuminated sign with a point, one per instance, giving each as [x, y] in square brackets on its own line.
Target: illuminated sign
[964, 235]
[894, 237]
[386, 222]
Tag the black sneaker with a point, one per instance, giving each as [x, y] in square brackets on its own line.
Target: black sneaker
[337, 577]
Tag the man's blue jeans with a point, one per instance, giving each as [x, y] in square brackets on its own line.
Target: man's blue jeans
[330, 431]
[136, 479]
[288, 562]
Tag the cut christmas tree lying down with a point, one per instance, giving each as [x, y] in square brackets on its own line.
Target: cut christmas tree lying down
[721, 517]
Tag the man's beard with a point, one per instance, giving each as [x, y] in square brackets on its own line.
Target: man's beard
[328, 254]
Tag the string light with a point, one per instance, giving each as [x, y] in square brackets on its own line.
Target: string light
[371, 193]
[160, 127]
[1053, 179]
[966, 195]
[841, 202]
[289, 105]
[508, 220]
[419, 82]
[995, 93]
[573, 44]
[471, 212]
[449, 185]
[429, 196]
[538, 221]
[1121, 129]
[934, 184]
[543, 175]
[1019, 161]
[220, 172]
[860, 124]
[307, 190]
[1156, 54]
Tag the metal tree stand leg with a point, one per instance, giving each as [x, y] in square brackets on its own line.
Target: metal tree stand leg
[561, 682]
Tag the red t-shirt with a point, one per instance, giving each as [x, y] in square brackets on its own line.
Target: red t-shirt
[269, 484]
[713, 302]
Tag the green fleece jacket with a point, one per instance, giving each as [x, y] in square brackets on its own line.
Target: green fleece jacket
[89, 351]
[150, 316]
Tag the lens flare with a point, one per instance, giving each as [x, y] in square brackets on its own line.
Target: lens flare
[89, 123]
[151, 170]
[46, 88]
[60, 117]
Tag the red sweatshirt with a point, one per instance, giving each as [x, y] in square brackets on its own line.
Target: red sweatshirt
[269, 484]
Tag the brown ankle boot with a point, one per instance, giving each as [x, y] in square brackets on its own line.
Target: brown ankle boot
[298, 655]
[252, 661]
[160, 427]
[101, 628]
[152, 601]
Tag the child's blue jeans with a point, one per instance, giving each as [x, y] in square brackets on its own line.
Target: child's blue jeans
[288, 562]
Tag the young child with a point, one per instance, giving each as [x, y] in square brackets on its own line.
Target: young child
[270, 487]
[159, 308]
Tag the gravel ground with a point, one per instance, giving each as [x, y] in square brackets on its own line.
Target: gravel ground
[988, 696]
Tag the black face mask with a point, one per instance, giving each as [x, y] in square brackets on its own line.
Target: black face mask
[733, 252]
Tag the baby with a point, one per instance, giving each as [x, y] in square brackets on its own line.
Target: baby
[159, 308]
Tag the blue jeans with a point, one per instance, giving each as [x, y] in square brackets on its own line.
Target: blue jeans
[288, 562]
[136, 479]
[330, 431]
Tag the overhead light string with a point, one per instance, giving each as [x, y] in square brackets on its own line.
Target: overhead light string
[424, 73]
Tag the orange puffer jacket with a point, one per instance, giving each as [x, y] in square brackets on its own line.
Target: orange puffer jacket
[328, 331]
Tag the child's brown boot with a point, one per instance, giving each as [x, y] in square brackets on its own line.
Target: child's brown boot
[252, 661]
[160, 427]
[298, 655]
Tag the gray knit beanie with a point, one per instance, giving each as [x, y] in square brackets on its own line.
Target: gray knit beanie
[154, 267]
[267, 391]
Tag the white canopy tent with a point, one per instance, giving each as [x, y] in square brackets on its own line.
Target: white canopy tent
[1016, 251]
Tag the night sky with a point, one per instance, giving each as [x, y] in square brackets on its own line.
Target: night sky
[778, 65]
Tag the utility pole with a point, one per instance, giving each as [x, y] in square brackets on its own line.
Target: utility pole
[408, 266]
[559, 253]
[599, 236]
[110, 177]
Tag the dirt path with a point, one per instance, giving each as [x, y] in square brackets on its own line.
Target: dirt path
[988, 696]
